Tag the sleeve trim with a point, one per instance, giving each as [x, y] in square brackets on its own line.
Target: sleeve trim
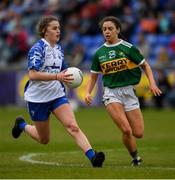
[141, 62]
[96, 72]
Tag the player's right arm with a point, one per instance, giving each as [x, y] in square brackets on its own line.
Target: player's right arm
[41, 76]
[90, 86]
[44, 76]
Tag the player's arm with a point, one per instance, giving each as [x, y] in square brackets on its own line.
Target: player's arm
[90, 86]
[153, 87]
[41, 76]
[44, 76]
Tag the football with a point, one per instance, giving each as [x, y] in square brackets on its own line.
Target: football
[77, 75]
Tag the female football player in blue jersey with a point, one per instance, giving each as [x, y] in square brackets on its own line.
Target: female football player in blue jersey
[45, 92]
[120, 63]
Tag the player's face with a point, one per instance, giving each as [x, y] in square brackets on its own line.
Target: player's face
[110, 32]
[52, 34]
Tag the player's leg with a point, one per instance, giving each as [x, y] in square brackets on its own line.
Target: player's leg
[135, 118]
[40, 131]
[136, 121]
[133, 112]
[117, 113]
[66, 116]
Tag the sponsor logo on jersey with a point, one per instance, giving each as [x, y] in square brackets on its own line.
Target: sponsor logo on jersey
[102, 58]
[117, 65]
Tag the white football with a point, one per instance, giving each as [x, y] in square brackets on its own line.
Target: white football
[77, 75]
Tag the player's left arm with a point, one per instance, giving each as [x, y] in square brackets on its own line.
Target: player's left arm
[90, 86]
[152, 84]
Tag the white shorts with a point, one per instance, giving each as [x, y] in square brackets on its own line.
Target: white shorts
[123, 95]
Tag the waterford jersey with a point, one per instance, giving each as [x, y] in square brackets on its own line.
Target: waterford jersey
[42, 57]
[119, 64]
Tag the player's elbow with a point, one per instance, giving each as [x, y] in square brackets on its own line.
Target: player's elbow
[32, 75]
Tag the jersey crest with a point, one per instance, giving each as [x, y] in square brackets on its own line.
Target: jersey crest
[112, 54]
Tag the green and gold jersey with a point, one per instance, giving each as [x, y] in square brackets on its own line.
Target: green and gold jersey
[119, 64]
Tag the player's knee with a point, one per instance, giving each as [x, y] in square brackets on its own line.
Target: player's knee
[73, 127]
[138, 134]
[44, 140]
[127, 131]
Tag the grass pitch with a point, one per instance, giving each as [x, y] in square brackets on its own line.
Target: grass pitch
[62, 159]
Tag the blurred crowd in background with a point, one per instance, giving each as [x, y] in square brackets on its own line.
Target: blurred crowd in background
[148, 24]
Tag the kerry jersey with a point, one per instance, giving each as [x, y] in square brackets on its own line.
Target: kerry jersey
[44, 58]
[119, 64]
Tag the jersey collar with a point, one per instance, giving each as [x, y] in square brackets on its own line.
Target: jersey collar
[112, 45]
[46, 42]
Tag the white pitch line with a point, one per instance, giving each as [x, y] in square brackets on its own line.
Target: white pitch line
[29, 158]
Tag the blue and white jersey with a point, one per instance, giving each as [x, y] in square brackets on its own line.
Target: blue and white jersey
[44, 58]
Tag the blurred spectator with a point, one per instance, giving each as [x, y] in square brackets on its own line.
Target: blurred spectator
[76, 56]
[163, 59]
[89, 19]
[163, 23]
[143, 45]
[165, 86]
[17, 42]
[162, 67]
[117, 8]
[128, 22]
[80, 20]
[172, 49]
[149, 24]
[171, 94]
[3, 7]
[139, 8]
[15, 8]
[37, 7]
[172, 22]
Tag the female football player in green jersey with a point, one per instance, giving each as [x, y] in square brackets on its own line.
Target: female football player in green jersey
[120, 63]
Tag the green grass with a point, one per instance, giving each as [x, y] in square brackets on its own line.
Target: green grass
[157, 148]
